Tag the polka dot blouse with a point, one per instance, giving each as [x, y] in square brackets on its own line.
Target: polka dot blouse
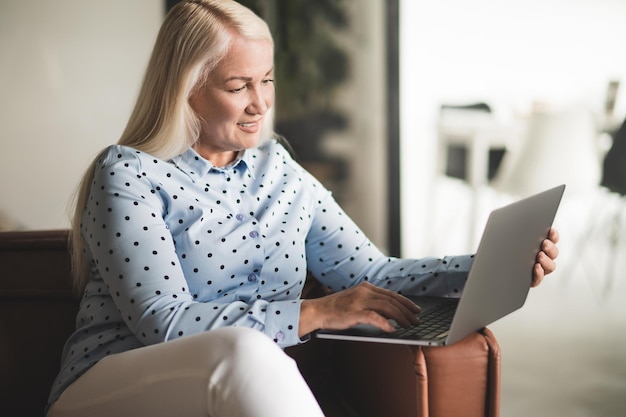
[180, 247]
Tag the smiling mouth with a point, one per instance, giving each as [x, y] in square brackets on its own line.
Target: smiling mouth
[251, 127]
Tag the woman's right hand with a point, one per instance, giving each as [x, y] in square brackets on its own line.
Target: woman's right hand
[362, 304]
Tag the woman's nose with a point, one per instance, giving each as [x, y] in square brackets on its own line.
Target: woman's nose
[259, 102]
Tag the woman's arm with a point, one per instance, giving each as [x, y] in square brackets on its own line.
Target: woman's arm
[344, 260]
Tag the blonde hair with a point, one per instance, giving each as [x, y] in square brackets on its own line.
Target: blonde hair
[193, 38]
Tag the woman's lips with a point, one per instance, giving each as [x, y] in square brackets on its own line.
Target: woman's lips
[251, 127]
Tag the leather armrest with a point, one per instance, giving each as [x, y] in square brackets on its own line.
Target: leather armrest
[380, 380]
[407, 381]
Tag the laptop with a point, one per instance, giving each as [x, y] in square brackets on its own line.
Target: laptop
[497, 284]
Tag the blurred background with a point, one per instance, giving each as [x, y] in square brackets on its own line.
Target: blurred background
[501, 99]
[421, 117]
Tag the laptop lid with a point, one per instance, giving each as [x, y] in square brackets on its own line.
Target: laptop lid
[501, 274]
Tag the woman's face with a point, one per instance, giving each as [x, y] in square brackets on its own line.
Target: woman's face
[234, 100]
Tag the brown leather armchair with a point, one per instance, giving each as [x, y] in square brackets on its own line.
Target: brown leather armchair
[37, 311]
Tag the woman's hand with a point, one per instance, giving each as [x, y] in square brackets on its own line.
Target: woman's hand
[363, 304]
[545, 258]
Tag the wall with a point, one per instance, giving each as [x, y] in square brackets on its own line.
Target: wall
[509, 53]
[70, 71]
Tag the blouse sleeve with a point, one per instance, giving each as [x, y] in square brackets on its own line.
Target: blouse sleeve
[136, 257]
[341, 256]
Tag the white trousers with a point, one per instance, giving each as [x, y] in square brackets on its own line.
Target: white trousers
[230, 372]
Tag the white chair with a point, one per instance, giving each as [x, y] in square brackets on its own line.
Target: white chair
[559, 146]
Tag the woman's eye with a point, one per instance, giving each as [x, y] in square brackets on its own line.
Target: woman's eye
[268, 81]
[237, 90]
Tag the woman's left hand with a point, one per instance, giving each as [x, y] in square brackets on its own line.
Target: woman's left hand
[545, 258]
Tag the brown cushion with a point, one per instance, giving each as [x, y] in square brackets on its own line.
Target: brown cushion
[37, 314]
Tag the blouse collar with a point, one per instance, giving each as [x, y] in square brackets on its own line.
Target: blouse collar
[196, 167]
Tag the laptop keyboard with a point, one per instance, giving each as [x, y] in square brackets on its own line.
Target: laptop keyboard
[435, 323]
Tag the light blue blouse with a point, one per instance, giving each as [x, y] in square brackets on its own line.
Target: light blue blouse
[179, 247]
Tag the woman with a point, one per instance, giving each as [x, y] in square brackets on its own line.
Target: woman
[198, 220]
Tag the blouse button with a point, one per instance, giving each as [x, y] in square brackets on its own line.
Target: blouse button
[254, 234]
[239, 217]
[280, 336]
[251, 278]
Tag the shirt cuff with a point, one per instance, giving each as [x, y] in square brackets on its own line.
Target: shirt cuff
[281, 324]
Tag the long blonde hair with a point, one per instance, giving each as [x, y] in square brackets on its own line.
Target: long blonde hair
[193, 38]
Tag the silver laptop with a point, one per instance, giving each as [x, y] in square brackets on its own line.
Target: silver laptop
[498, 282]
